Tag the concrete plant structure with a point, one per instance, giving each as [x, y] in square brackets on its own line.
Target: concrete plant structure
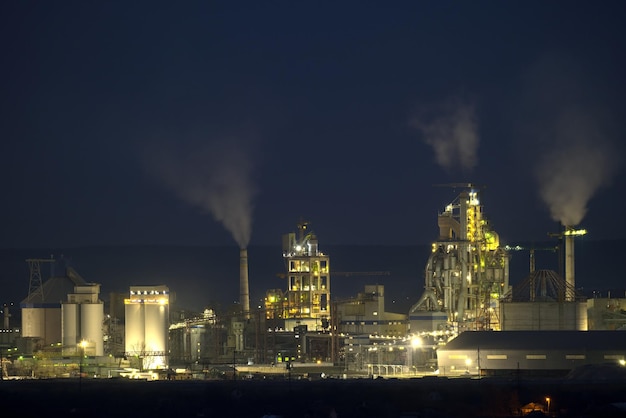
[366, 315]
[467, 272]
[82, 317]
[147, 324]
[41, 309]
[543, 301]
[307, 299]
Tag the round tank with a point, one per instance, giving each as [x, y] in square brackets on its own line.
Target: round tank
[69, 327]
[33, 322]
[156, 327]
[92, 315]
[157, 318]
[134, 327]
[42, 323]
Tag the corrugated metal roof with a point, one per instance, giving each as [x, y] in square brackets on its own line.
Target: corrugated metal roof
[543, 340]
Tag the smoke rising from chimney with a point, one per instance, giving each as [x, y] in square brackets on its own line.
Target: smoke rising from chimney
[451, 130]
[574, 166]
[569, 133]
[215, 177]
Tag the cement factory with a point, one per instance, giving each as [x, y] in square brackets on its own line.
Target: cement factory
[468, 320]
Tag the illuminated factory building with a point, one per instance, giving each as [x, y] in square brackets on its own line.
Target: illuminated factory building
[366, 315]
[307, 299]
[147, 324]
[466, 273]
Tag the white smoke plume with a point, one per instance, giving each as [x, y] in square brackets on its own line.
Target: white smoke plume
[577, 162]
[217, 178]
[569, 134]
[451, 130]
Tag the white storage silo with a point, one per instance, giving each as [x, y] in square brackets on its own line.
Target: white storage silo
[134, 326]
[82, 318]
[69, 327]
[147, 324]
[91, 318]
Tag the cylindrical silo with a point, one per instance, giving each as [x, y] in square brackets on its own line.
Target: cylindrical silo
[134, 327]
[69, 327]
[91, 318]
[156, 328]
[156, 336]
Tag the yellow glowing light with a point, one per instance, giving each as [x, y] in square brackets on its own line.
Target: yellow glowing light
[416, 342]
[575, 232]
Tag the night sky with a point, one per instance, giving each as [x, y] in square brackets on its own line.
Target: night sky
[216, 123]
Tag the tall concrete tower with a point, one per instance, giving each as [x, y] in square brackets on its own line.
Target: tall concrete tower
[308, 275]
[466, 273]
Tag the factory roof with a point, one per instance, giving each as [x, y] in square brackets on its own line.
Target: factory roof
[55, 290]
[538, 340]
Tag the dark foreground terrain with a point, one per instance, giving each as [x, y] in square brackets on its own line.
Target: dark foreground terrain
[425, 397]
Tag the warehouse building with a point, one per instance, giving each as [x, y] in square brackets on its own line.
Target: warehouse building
[546, 353]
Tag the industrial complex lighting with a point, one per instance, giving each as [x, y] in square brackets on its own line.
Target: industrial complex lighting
[575, 232]
[416, 342]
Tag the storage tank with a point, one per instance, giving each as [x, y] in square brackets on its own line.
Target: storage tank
[82, 318]
[42, 322]
[134, 327]
[156, 324]
[41, 310]
[69, 324]
[91, 318]
[147, 324]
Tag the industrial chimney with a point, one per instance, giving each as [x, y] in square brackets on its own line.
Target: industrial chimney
[570, 281]
[244, 293]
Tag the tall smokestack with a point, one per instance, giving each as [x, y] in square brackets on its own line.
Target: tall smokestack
[244, 293]
[569, 265]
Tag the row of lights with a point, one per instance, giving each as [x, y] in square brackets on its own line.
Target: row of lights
[146, 292]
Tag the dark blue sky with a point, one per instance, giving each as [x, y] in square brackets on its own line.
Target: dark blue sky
[145, 122]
